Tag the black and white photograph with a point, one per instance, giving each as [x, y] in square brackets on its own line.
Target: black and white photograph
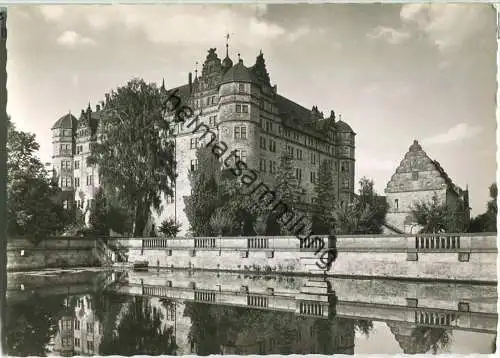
[250, 179]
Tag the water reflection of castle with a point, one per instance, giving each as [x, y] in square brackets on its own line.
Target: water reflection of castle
[79, 330]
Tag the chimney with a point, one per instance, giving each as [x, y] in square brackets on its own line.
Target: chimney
[190, 77]
[97, 107]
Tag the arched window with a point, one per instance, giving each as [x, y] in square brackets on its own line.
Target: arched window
[396, 204]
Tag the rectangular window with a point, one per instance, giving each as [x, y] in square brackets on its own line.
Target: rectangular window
[346, 184]
[194, 165]
[313, 158]
[244, 108]
[241, 87]
[414, 175]
[261, 121]
[77, 182]
[66, 182]
[77, 164]
[272, 145]
[90, 179]
[243, 156]
[90, 345]
[238, 108]
[90, 328]
[313, 177]
[240, 132]
[263, 165]
[77, 342]
[344, 167]
[263, 142]
[298, 174]
[268, 126]
[194, 143]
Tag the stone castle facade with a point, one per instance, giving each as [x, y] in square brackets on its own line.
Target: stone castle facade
[245, 111]
[417, 179]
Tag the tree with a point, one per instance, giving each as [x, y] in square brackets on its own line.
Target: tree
[365, 215]
[221, 221]
[98, 218]
[487, 222]
[325, 200]
[140, 331]
[34, 205]
[433, 216]
[205, 195]
[287, 187]
[135, 154]
[170, 228]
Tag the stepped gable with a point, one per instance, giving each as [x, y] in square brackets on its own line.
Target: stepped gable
[68, 121]
[417, 160]
[259, 70]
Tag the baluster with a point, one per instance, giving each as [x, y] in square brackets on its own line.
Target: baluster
[458, 242]
[453, 242]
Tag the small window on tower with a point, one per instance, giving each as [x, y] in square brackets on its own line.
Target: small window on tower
[414, 176]
[241, 87]
[396, 204]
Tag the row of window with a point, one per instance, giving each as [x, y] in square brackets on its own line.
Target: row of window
[90, 344]
[271, 142]
[241, 108]
[272, 166]
[90, 180]
[208, 101]
[66, 164]
[266, 125]
[80, 204]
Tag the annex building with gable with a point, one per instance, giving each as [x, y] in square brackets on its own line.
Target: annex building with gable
[417, 179]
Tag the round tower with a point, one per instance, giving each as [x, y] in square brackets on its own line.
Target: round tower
[238, 115]
[345, 153]
[63, 149]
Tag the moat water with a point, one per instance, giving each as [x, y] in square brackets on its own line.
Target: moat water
[93, 312]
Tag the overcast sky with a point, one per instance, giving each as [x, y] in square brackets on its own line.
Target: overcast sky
[395, 73]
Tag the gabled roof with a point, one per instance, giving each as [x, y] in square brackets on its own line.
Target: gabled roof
[416, 151]
[66, 122]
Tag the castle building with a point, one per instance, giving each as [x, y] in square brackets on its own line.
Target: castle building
[240, 105]
[417, 179]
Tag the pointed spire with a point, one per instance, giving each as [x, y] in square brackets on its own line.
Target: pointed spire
[163, 84]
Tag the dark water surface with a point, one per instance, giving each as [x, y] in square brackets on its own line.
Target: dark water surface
[75, 312]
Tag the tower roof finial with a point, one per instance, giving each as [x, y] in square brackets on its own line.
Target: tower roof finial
[196, 70]
[227, 44]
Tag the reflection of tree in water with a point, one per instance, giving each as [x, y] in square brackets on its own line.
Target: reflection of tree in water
[420, 340]
[140, 331]
[30, 324]
[216, 326]
[363, 326]
[438, 338]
